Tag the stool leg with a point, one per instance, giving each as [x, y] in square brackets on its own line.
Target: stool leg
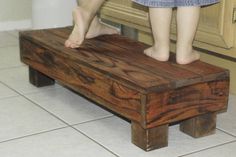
[149, 139]
[38, 79]
[200, 126]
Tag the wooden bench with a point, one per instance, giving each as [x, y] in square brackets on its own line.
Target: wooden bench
[113, 71]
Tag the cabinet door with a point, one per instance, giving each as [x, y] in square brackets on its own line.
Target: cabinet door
[216, 25]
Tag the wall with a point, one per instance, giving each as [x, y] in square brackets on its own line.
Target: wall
[15, 14]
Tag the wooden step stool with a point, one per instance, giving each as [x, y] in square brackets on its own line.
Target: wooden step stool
[113, 71]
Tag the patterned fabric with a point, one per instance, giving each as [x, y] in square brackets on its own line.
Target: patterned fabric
[175, 3]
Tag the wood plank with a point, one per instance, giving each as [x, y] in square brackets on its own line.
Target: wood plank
[166, 70]
[109, 66]
[186, 102]
[183, 74]
[149, 139]
[92, 84]
[132, 51]
[38, 79]
[199, 126]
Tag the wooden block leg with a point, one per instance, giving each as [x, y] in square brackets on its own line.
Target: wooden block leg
[39, 79]
[149, 139]
[200, 126]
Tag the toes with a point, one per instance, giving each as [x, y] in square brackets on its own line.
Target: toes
[70, 44]
[74, 45]
[67, 43]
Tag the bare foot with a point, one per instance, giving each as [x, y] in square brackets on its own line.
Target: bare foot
[81, 21]
[160, 54]
[98, 28]
[186, 58]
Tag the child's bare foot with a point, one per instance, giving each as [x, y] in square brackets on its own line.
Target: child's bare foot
[184, 57]
[160, 54]
[81, 21]
[98, 28]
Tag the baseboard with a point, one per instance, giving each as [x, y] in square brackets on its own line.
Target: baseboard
[15, 25]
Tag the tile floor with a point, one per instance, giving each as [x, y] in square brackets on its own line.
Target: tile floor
[55, 122]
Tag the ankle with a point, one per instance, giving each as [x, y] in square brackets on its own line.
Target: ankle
[86, 15]
[187, 57]
[161, 48]
[161, 53]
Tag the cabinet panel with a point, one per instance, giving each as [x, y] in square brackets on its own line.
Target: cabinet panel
[215, 26]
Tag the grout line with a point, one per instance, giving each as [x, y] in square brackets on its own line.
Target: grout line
[20, 94]
[73, 126]
[94, 141]
[30, 135]
[68, 125]
[208, 148]
[226, 132]
[94, 120]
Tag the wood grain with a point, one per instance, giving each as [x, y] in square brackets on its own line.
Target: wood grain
[38, 79]
[98, 87]
[149, 139]
[199, 126]
[113, 71]
[186, 102]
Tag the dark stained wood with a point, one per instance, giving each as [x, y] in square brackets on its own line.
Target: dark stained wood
[149, 139]
[113, 71]
[93, 84]
[169, 71]
[38, 79]
[186, 102]
[107, 65]
[199, 126]
[135, 49]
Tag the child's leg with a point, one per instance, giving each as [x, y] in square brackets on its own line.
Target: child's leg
[187, 19]
[83, 15]
[160, 22]
[97, 28]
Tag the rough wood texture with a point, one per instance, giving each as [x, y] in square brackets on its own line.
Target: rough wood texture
[113, 71]
[186, 102]
[149, 139]
[39, 79]
[199, 126]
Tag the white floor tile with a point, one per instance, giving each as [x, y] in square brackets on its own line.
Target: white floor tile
[6, 92]
[60, 143]
[7, 39]
[10, 57]
[69, 106]
[227, 121]
[227, 150]
[114, 134]
[18, 79]
[19, 117]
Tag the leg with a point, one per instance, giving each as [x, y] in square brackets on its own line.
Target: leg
[98, 28]
[200, 126]
[160, 22]
[83, 16]
[149, 139]
[87, 24]
[38, 79]
[187, 20]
